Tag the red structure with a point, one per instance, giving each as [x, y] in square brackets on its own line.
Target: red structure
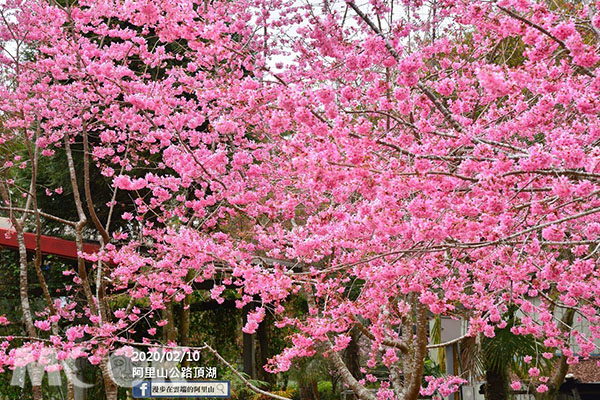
[49, 244]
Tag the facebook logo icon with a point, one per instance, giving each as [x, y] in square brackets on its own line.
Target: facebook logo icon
[142, 390]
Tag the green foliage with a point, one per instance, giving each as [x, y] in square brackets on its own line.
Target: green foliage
[7, 391]
[509, 52]
[432, 368]
[506, 351]
[219, 328]
[326, 391]
[239, 389]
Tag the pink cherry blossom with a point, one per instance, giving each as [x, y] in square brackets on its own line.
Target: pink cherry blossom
[386, 164]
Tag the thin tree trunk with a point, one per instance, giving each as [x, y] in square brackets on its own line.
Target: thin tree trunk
[417, 358]
[36, 374]
[37, 262]
[248, 348]
[352, 354]
[97, 309]
[184, 320]
[170, 330]
[263, 343]
[315, 389]
[111, 390]
[359, 390]
[309, 389]
[496, 386]
[561, 367]
[24, 292]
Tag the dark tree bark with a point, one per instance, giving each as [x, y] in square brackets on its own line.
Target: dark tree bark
[496, 385]
[264, 352]
[249, 349]
[352, 354]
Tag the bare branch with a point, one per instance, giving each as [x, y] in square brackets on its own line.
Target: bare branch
[241, 377]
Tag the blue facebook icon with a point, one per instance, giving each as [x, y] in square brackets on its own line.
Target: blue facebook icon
[142, 390]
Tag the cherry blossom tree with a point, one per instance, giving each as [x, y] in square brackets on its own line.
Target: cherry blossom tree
[397, 160]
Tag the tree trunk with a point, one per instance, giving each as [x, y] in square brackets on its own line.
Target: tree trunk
[496, 385]
[305, 391]
[561, 367]
[352, 354]
[111, 390]
[338, 363]
[26, 308]
[309, 389]
[170, 330]
[249, 350]
[416, 363]
[315, 389]
[184, 320]
[264, 354]
[24, 289]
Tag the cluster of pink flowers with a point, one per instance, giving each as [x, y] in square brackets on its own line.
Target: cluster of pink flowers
[392, 171]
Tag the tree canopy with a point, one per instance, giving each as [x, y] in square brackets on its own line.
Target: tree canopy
[389, 162]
